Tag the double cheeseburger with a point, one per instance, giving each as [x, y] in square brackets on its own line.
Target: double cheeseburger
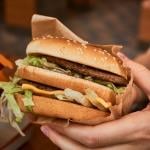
[65, 79]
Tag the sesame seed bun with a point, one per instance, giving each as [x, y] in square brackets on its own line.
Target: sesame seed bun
[86, 54]
[59, 109]
[63, 81]
[74, 51]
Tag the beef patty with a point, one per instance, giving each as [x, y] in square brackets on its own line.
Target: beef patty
[88, 71]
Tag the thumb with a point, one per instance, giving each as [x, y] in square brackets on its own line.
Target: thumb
[140, 73]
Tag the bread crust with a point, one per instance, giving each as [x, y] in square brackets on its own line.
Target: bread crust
[63, 81]
[59, 109]
[74, 51]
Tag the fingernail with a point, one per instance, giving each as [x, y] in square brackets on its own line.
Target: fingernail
[121, 55]
[45, 130]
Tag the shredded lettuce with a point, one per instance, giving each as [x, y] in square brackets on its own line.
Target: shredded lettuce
[9, 89]
[42, 62]
[15, 79]
[2, 105]
[77, 75]
[31, 60]
[10, 111]
[88, 78]
[27, 100]
[16, 126]
[15, 108]
[118, 90]
[37, 62]
[13, 123]
[34, 61]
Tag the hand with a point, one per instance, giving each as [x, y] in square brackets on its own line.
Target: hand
[131, 132]
[141, 74]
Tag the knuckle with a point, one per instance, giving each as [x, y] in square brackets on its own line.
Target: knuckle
[91, 141]
[144, 135]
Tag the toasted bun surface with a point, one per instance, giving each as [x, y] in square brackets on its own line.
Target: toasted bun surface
[63, 81]
[65, 110]
[76, 52]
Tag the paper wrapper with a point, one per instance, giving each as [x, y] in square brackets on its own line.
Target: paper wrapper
[43, 27]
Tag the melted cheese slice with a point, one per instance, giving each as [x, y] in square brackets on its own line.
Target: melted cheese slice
[39, 91]
[98, 102]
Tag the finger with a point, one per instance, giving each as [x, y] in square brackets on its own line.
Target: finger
[136, 145]
[144, 58]
[80, 133]
[141, 74]
[61, 141]
[122, 147]
[147, 108]
[107, 133]
[67, 144]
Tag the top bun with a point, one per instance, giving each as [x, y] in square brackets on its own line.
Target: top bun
[74, 51]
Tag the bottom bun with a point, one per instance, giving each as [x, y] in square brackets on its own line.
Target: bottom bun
[49, 107]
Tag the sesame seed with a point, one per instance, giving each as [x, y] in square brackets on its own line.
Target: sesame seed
[78, 52]
[81, 51]
[114, 58]
[49, 36]
[84, 45]
[68, 43]
[36, 38]
[105, 51]
[74, 41]
[79, 48]
[61, 51]
[94, 58]
[86, 42]
[95, 49]
[43, 37]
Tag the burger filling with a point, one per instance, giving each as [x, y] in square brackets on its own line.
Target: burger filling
[112, 81]
[10, 111]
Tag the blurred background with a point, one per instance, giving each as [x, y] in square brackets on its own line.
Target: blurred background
[98, 21]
